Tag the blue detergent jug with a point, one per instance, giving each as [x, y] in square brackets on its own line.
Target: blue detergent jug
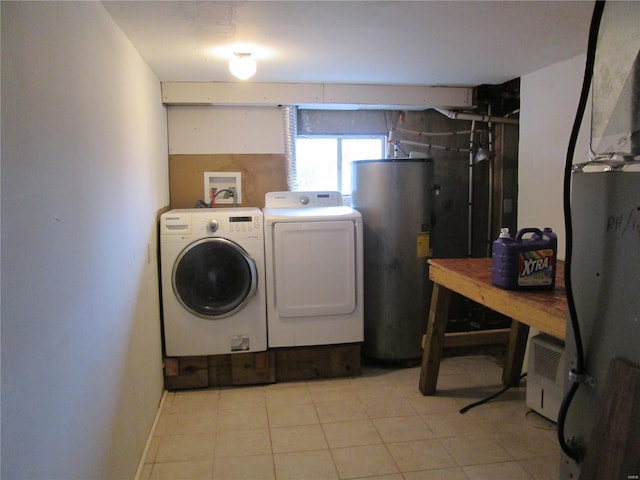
[525, 263]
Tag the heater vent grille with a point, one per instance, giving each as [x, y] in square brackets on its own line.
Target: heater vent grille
[545, 382]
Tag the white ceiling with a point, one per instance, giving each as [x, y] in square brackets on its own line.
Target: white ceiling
[454, 43]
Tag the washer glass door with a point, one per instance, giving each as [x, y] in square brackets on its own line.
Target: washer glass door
[214, 278]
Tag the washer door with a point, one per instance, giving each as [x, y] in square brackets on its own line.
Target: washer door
[214, 278]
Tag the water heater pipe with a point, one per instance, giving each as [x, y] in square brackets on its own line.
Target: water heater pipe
[429, 145]
[491, 187]
[476, 117]
[470, 220]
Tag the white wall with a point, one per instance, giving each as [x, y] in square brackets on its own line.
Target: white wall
[84, 172]
[240, 130]
[548, 105]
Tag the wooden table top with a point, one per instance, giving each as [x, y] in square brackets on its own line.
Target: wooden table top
[545, 310]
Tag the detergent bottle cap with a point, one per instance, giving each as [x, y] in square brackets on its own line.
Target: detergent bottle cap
[504, 233]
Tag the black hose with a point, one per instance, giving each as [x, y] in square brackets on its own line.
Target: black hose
[489, 398]
[586, 84]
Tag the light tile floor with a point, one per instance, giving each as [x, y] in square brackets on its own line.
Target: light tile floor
[377, 425]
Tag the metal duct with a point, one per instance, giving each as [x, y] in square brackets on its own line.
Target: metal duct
[290, 132]
[615, 116]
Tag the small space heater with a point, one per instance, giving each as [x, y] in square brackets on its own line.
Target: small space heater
[545, 376]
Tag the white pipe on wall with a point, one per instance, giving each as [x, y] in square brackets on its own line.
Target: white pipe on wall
[476, 117]
[470, 221]
[491, 187]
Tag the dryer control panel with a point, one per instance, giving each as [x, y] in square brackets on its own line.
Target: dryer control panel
[303, 199]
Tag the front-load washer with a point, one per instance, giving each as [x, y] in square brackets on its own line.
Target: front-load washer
[313, 258]
[212, 279]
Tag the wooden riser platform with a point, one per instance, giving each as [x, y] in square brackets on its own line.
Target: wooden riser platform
[254, 368]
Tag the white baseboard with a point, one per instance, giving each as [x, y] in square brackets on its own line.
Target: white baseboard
[147, 445]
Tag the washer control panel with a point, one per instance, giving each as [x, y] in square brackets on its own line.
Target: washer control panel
[242, 222]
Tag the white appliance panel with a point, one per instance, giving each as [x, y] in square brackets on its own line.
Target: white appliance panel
[315, 268]
[606, 256]
[185, 332]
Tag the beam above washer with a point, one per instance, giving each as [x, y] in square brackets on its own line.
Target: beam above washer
[316, 95]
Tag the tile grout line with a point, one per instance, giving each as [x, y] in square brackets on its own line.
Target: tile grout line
[273, 453]
[324, 434]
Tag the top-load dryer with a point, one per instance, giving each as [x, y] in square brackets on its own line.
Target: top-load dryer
[213, 285]
[314, 268]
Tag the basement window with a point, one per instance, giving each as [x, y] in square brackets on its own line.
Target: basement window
[324, 162]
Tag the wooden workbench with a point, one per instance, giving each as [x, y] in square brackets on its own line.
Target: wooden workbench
[545, 310]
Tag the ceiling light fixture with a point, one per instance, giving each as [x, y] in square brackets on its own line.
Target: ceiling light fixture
[242, 65]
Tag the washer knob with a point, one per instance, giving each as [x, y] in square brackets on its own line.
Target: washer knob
[304, 200]
[213, 225]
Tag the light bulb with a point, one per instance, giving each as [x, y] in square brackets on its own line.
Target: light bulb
[481, 155]
[242, 65]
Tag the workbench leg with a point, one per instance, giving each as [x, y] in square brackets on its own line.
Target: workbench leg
[434, 339]
[515, 354]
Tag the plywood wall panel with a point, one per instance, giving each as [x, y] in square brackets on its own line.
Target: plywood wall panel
[261, 173]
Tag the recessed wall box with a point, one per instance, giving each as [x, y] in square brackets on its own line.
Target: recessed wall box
[227, 187]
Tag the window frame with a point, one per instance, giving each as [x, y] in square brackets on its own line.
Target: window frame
[339, 150]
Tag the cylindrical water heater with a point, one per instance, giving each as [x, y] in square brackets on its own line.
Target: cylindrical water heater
[394, 198]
